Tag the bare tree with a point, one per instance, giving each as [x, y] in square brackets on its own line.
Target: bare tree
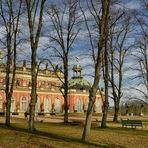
[64, 20]
[35, 10]
[10, 17]
[141, 54]
[117, 54]
[135, 107]
[102, 24]
[106, 82]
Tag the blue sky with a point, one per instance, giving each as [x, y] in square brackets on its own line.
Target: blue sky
[81, 46]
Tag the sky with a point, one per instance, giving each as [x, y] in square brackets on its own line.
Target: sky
[80, 48]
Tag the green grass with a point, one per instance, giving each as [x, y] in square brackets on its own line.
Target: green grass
[58, 135]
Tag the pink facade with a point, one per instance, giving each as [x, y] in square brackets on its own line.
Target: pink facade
[50, 98]
[78, 102]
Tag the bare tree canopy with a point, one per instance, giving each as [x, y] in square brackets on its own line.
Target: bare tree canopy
[35, 10]
[102, 27]
[10, 17]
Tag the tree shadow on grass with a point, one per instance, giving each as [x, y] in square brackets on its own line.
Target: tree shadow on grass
[56, 137]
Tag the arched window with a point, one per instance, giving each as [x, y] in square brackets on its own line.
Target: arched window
[24, 104]
[47, 104]
[3, 81]
[57, 105]
[39, 84]
[79, 105]
[37, 106]
[12, 104]
[1, 104]
[98, 108]
[29, 84]
[42, 84]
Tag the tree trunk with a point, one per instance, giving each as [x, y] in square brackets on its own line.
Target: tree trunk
[106, 81]
[66, 88]
[33, 92]
[32, 8]
[11, 23]
[116, 112]
[7, 79]
[92, 94]
[32, 113]
[31, 118]
[88, 121]
[105, 103]
[7, 83]
[8, 106]
[8, 98]
[65, 110]
[104, 117]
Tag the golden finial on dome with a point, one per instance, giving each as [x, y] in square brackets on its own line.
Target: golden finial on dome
[77, 59]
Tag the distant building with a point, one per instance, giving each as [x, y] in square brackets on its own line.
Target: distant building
[49, 98]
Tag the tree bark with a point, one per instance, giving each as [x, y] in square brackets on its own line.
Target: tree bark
[11, 22]
[117, 40]
[7, 83]
[65, 110]
[66, 90]
[106, 81]
[32, 8]
[92, 94]
[104, 117]
[116, 111]
[66, 32]
[88, 121]
[8, 105]
[33, 92]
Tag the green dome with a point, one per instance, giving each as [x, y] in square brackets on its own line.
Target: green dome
[77, 68]
[78, 83]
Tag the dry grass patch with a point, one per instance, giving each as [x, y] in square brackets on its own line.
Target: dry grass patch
[58, 135]
[19, 139]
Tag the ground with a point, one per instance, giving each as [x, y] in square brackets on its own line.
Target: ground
[52, 133]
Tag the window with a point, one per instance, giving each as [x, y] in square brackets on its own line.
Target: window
[29, 84]
[49, 85]
[47, 104]
[79, 105]
[37, 106]
[98, 108]
[1, 104]
[39, 84]
[24, 104]
[57, 105]
[42, 86]
[12, 104]
[3, 81]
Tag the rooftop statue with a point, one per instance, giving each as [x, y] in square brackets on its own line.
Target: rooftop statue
[77, 59]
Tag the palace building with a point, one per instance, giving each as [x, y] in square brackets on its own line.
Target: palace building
[50, 98]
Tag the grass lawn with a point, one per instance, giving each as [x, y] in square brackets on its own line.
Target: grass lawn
[58, 135]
